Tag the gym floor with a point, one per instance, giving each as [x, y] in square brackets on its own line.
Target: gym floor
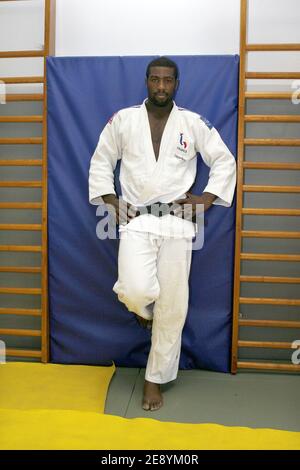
[251, 399]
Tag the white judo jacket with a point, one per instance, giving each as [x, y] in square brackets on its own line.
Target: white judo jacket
[144, 181]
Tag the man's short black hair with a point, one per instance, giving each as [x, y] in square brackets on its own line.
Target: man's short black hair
[163, 62]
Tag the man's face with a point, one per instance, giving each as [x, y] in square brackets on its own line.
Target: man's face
[161, 85]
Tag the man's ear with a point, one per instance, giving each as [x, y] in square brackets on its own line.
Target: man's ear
[177, 84]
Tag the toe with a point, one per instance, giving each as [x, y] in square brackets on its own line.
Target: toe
[146, 406]
[156, 406]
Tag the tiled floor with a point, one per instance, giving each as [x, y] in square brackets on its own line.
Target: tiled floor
[268, 400]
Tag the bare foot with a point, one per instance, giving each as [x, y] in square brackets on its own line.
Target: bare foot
[143, 322]
[152, 399]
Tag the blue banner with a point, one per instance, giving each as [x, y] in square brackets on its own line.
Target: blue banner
[88, 325]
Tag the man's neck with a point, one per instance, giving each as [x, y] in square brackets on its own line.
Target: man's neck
[159, 112]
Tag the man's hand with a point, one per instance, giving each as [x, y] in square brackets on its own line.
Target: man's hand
[196, 204]
[123, 212]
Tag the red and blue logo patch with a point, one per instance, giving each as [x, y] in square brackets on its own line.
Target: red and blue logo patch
[183, 143]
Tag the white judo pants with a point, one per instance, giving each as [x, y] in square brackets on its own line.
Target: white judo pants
[153, 283]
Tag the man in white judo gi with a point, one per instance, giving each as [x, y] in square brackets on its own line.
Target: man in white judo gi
[157, 143]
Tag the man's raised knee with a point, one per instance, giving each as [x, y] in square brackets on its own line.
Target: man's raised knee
[139, 294]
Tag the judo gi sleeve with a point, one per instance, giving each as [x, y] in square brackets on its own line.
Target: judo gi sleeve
[104, 161]
[217, 156]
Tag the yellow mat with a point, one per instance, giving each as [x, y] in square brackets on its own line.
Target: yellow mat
[25, 385]
[59, 429]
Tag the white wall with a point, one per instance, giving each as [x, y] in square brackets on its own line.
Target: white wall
[146, 27]
[142, 27]
[22, 28]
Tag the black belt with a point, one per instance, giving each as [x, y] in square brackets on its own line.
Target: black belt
[158, 209]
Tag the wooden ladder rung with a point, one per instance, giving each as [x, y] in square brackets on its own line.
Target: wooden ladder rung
[11, 54]
[270, 189]
[9, 80]
[23, 162]
[269, 211]
[268, 366]
[269, 257]
[271, 118]
[23, 353]
[275, 75]
[18, 332]
[264, 344]
[20, 205]
[270, 95]
[21, 290]
[245, 140]
[33, 118]
[271, 279]
[268, 301]
[273, 142]
[20, 248]
[267, 234]
[41, 352]
[24, 97]
[20, 226]
[20, 184]
[21, 140]
[273, 47]
[271, 166]
[20, 269]
[21, 311]
[270, 323]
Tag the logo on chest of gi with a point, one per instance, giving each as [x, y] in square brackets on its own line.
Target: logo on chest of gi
[183, 144]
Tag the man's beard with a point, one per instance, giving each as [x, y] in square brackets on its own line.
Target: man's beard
[160, 104]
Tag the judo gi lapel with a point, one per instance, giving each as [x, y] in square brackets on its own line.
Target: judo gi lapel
[155, 167]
